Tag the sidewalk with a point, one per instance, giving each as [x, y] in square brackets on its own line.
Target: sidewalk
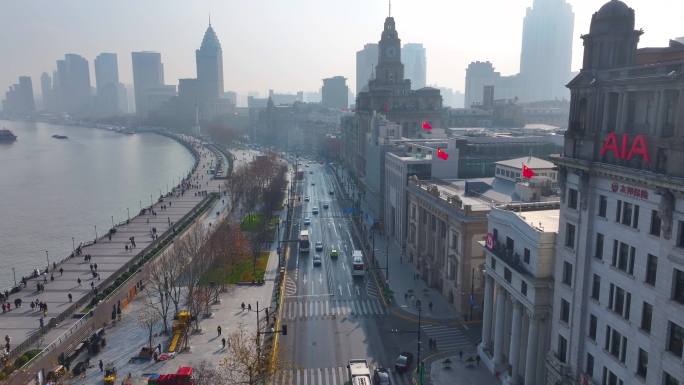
[404, 282]
[457, 373]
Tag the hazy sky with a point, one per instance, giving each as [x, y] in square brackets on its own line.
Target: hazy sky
[287, 45]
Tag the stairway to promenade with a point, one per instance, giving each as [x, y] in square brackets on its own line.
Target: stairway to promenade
[22, 324]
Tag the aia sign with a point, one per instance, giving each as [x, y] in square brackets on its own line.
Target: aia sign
[626, 148]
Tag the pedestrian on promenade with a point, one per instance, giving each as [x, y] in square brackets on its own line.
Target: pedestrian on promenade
[95, 266]
[79, 281]
[52, 277]
[249, 307]
[101, 365]
[243, 306]
[126, 247]
[54, 265]
[218, 329]
[42, 323]
[61, 271]
[223, 341]
[70, 297]
[92, 285]
[91, 267]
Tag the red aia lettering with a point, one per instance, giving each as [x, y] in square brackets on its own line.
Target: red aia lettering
[623, 150]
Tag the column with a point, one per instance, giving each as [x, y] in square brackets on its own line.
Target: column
[499, 328]
[531, 357]
[514, 352]
[487, 316]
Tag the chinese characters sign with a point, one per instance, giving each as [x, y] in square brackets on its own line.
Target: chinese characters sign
[630, 191]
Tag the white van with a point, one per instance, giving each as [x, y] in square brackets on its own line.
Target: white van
[358, 266]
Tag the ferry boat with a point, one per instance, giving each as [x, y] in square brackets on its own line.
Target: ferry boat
[60, 136]
[6, 136]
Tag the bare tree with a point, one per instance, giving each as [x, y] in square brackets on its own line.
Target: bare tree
[246, 363]
[198, 262]
[204, 373]
[148, 318]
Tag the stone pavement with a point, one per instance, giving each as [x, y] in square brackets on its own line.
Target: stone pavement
[460, 373]
[403, 279]
[109, 255]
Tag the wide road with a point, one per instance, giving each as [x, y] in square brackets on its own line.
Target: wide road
[331, 316]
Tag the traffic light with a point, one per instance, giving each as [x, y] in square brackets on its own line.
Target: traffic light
[283, 329]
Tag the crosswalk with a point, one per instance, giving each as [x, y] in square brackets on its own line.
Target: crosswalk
[325, 308]
[448, 338]
[372, 288]
[325, 376]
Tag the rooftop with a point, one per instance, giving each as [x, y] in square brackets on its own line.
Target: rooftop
[530, 161]
[542, 220]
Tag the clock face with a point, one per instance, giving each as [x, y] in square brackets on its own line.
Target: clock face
[391, 52]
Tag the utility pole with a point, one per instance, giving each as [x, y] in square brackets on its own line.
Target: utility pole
[418, 362]
[387, 257]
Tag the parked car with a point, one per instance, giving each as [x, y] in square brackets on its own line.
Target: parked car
[403, 362]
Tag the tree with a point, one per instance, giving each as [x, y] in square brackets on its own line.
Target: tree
[198, 261]
[204, 373]
[148, 319]
[246, 363]
[164, 287]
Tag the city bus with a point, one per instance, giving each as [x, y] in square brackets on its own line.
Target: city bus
[304, 243]
[358, 266]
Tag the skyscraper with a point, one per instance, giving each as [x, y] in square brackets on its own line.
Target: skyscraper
[413, 57]
[19, 98]
[209, 58]
[335, 92]
[366, 60]
[148, 74]
[46, 91]
[546, 51]
[72, 86]
[107, 79]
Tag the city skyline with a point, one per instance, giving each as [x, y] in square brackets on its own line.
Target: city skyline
[436, 24]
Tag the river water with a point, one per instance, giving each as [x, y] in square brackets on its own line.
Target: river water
[52, 190]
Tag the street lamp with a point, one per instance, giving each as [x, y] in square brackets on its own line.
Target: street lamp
[112, 221]
[418, 362]
[128, 212]
[73, 245]
[47, 258]
[95, 233]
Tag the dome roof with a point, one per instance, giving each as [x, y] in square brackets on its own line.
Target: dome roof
[613, 16]
[210, 41]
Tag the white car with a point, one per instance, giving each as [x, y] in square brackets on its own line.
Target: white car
[319, 246]
[314, 210]
[306, 198]
[307, 221]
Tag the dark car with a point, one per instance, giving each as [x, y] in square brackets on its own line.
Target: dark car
[403, 362]
[381, 377]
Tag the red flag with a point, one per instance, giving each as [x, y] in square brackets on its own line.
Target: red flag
[427, 125]
[386, 107]
[527, 172]
[441, 154]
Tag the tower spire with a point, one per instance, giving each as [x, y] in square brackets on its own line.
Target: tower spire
[390, 9]
[210, 19]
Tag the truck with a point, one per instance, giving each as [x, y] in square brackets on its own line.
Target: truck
[304, 243]
[359, 372]
[182, 377]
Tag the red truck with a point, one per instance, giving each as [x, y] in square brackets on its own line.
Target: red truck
[182, 377]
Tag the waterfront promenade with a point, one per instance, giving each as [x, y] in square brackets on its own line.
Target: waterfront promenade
[108, 254]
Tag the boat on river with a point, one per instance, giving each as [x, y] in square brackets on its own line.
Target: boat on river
[7, 136]
[60, 136]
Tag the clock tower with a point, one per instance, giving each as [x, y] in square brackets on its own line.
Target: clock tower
[389, 70]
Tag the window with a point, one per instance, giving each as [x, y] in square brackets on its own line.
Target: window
[616, 344]
[590, 365]
[413, 212]
[593, 325]
[623, 257]
[602, 206]
[508, 275]
[680, 234]
[572, 198]
[454, 241]
[646, 317]
[627, 214]
[526, 255]
[570, 235]
[596, 287]
[669, 379]
[510, 244]
[619, 300]
[655, 223]
[493, 263]
[523, 288]
[562, 349]
[651, 269]
[678, 283]
[567, 273]
[610, 378]
[565, 311]
[675, 339]
[598, 252]
[642, 363]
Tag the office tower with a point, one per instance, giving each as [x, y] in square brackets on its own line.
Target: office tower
[209, 58]
[74, 91]
[46, 91]
[478, 75]
[148, 74]
[546, 51]
[335, 92]
[413, 57]
[618, 309]
[366, 60]
[107, 79]
[19, 98]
